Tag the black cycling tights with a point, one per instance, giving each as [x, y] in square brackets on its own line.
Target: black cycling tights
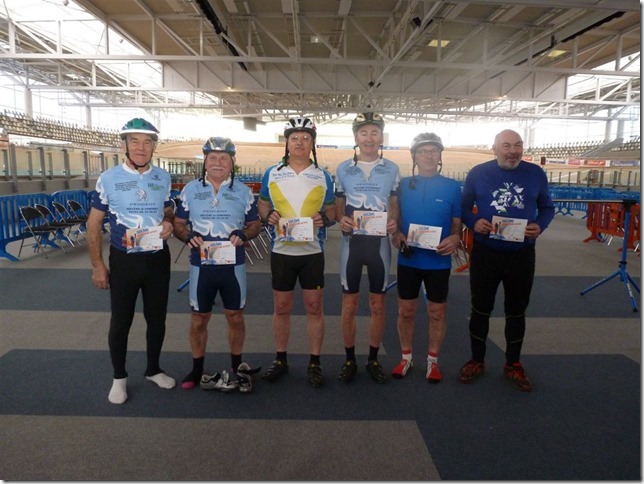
[148, 272]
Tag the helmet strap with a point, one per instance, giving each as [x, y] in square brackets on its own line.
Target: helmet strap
[315, 156]
[138, 167]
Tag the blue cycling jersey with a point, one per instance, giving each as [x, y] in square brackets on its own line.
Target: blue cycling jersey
[366, 193]
[215, 215]
[432, 201]
[133, 199]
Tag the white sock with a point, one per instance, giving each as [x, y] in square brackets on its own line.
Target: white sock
[432, 359]
[118, 393]
[163, 380]
[406, 356]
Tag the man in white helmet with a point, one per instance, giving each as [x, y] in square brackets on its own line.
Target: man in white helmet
[137, 197]
[430, 227]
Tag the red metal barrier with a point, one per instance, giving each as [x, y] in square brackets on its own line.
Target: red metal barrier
[254, 186]
[607, 219]
[465, 247]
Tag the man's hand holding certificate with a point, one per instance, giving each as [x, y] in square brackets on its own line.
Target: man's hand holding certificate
[424, 236]
[370, 223]
[146, 239]
[510, 229]
[217, 252]
[298, 229]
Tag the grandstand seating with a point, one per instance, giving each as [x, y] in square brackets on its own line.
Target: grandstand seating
[580, 149]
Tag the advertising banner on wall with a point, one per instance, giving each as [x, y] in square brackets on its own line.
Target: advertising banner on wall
[595, 162]
[624, 163]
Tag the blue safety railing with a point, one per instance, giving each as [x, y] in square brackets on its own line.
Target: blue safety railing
[573, 198]
[12, 225]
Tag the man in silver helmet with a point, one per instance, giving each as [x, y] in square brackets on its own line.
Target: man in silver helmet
[214, 216]
[365, 185]
[430, 227]
[297, 195]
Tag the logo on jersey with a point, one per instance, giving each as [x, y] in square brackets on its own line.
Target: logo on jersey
[508, 196]
[141, 195]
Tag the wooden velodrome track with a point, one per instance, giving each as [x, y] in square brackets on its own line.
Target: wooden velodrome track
[261, 156]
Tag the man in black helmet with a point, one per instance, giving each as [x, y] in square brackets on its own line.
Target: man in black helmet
[430, 227]
[297, 193]
[137, 197]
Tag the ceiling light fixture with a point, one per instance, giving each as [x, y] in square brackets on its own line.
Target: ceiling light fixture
[436, 42]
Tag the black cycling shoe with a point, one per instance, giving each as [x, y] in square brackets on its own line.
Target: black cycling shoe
[348, 371]
[375, 370]
[277, 370]
[314, 373]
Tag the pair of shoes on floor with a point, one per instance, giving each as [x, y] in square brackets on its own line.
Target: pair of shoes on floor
[349, 371]
[314, 372]
[433, 374]
[473, 369]
[277, 370]
[218, 381]
[245, 377]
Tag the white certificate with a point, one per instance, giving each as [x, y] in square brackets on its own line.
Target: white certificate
[218, 252]
[298, 229]
[510, 229]
[369, 223]
[424, 236]
[145, 239]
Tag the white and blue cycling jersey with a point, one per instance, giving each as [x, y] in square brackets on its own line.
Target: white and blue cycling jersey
[133, 199]
[215, 215]
[366, 193]
[297, 195]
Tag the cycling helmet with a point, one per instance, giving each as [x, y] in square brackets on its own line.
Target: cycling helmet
[364, 119]
[424, 139]
[139, 125]
[217, 143]
[299, 124]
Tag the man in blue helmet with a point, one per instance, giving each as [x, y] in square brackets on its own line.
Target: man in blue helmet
[215, 217]
[297, 189]
[137, 196]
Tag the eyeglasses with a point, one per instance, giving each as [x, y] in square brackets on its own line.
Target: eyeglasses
[297, 137]
[425, 152]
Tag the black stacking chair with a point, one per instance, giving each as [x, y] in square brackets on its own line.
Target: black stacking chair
[65, 216]
[36, 226]
[64, 227]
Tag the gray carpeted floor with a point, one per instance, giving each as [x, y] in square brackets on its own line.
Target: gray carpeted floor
[582, 421]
